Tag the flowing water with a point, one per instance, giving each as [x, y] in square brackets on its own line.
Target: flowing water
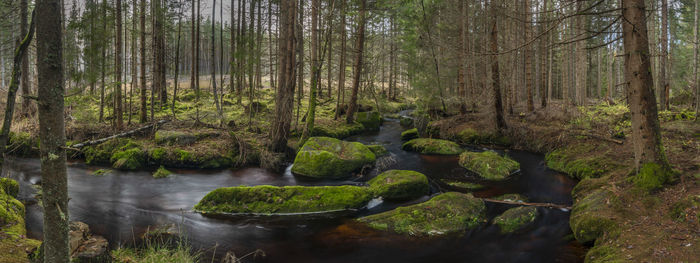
[122, 205]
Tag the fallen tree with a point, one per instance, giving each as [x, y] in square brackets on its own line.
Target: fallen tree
[123, 134]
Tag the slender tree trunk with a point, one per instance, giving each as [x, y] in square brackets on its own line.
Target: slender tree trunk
[315, 69]
[279, 131]
[663, 75]
[52, 131]
[300, 58]
[213, 63]
[143, 116]
[341, 63]
[599, 86]
[196, 63]
[232, 59]
[251, 62]
[695, 59]
[271, 61]
[134, 57]
[330, 50]
[581, 58]
[495, 76]
[177, 62]
[352, 107]
[119, 124]
[646, 133]
[26, 91]
[528, 58]
[543, 55]
[258, 49]
[103, 61]
[611, 75]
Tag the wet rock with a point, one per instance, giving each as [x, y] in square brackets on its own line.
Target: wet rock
[164, 137]
[515, 219]
[406, 121]
[267, 199]
[444, 214]
[161, 173]
[592, 215]
[337, 129]
[511, 198]
[463, 185]
[399, 185]
[371, 120]
[324, 157]
[85, 247]
[378, 150]
[409, 134]
[489, 165]
[432, 146]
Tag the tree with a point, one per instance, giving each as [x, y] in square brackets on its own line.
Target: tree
[341, 63]
[495, 76]
[315, 70]
[52, 131]
[652, 167]
[279, 131]
[213, 62]
[142, 17]
[352, 107]
[118, 113]
[695, 60]
[26, 101]
[663, 75]
[528, 57]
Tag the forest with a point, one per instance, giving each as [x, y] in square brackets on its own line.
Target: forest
[349, 131]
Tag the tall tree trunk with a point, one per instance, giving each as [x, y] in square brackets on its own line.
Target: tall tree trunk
[251, 62]
[52, 131]
[528, 58]
[695, 59]
[213, 63]
[646, 133]
[663, 75]
[581, 57]
[315, 69]
[177, 62]
[134, 56]
[543, 55]
[341, 63]
[196, 63]
[279, 131]
[258, 49]
[103, 62]
[119, 124]
[330, 49]
[26, 91]
[495, 76]
[352, 107]
[232, 59]
[300, 58]
[142, 17]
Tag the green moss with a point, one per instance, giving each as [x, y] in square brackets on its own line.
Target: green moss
[337, 129]
[406, 121]
[515, 218]
[11, 211]
[683, 209]
[324, 157]
[447, 213]
[161, 172]
[371, 120]
[582, 160]
[174, 138]
[461, 184]
[130, 159]
[378, 150]
[266, 199]
[11, 187]
[432, 146]
[511, 198]
[23, 144]
[101, 154]
[399, 185]
[468, 136]
[180, 158]
[604, 254]
[101, 172]
[488, 164]
[591, 216]
[409, 134]
[652, 176]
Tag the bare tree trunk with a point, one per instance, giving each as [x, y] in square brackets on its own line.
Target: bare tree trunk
[341, 63]
[646, 133]
[213, 63]
[232, 59]
[196, 62]
[663, 75]
[271, 61]
[103, 62]
[352, 107]
[315, 69]
[528, 58]
[543, 55]
[330, 50]
[177, 61]
[285, 95]
[143, 118]
[26, 91]
[581, 58]
[695, 59]
[52, 131]
[119, 124]
[300, 58]
[495, 76]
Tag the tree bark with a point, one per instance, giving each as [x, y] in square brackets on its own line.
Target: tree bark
[495, 76]
[213, 63]
[341, 63]
[352, 107]
[663, 75]
[279, 131]
[695, 60]
[315, 70]
[26, 90]
[52, 131]
[143, 118]
[528, 58]
[118, 114]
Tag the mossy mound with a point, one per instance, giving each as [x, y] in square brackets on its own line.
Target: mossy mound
[432, 146]
[515, 219]
[267, 199]
[378, 150]
[336, 129]
[472, 136]
[371, 120]
[399, 185]
[13, 243]
[409, 134]
[161, 172]
[464, 185]
[604, 254]
[164, 137]
[489, 165]
[511, 198]
[582, 160]
[652, 176]
[129, 159]
[444, 214]
[406, 121]
[324, 157]
[683, 209]
[120, 153]
[11, 187]
[590, 216]
[180, 158]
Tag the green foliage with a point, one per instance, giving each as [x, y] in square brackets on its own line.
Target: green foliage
[324, 157]
[11, 187]
[156, 253]
[11, 210]
[399, 185]
[489, 165]
[515, 218]
[652, 176]
[267, 199]
[432, 146]
[23, 144]
[604, 254]
[447, 213]
[161, 172]
[101, 172]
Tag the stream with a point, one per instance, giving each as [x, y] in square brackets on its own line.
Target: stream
[122, 205]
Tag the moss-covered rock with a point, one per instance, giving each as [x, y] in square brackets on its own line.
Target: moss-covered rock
[324, 157]
[161, 172]
[13, 242]
[129, 159]
[604, 254]
[371, 120]
[489, 165]
[463, 185]
[406, 121]
[101, 172]
[127, 152]
[337, 129]
[511, 198]
[409, 134]
[267, 199]
[515, 219]
[378, 150]
[652, 176]
[11, 187]
[174, 138]
[582, 160]
[433, 146]
[472, 136]
[176, 157]
[447, 213]
[591, 216]
[683, 209]
[399, 185]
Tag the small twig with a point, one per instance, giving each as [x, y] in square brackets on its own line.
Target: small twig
[548, 205]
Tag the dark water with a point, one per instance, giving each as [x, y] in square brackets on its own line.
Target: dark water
[122, 205]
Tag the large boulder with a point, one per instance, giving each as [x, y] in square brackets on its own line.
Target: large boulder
[265, 199]
[489, 165]
[593, 215]
[444, 214]
[371, 120]
[85, 247]
[399, 185]
[433, 146]
[324, 157]
[409, 134]
[515, 219]
[14, 246]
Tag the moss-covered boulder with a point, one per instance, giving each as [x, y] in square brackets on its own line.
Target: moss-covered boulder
[444, 214]
[591, 216]
[432, 146]
[23, 144]
[584, 160]
[488, 165]
[463, 184]
[11, 187]
[378, 150]
[409, 134]
[121, 153]
[267, 199]
[515, 219]
[371, 120]
[406, 121]
[13, 243]
[129, 159]
[208, 158]
[470, 135]
[336, 129]
[399, 185]
[174, 138]
[161, 172]
[324, 157]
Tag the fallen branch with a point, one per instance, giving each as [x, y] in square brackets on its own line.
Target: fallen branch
[548, 205]
[123, 134]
